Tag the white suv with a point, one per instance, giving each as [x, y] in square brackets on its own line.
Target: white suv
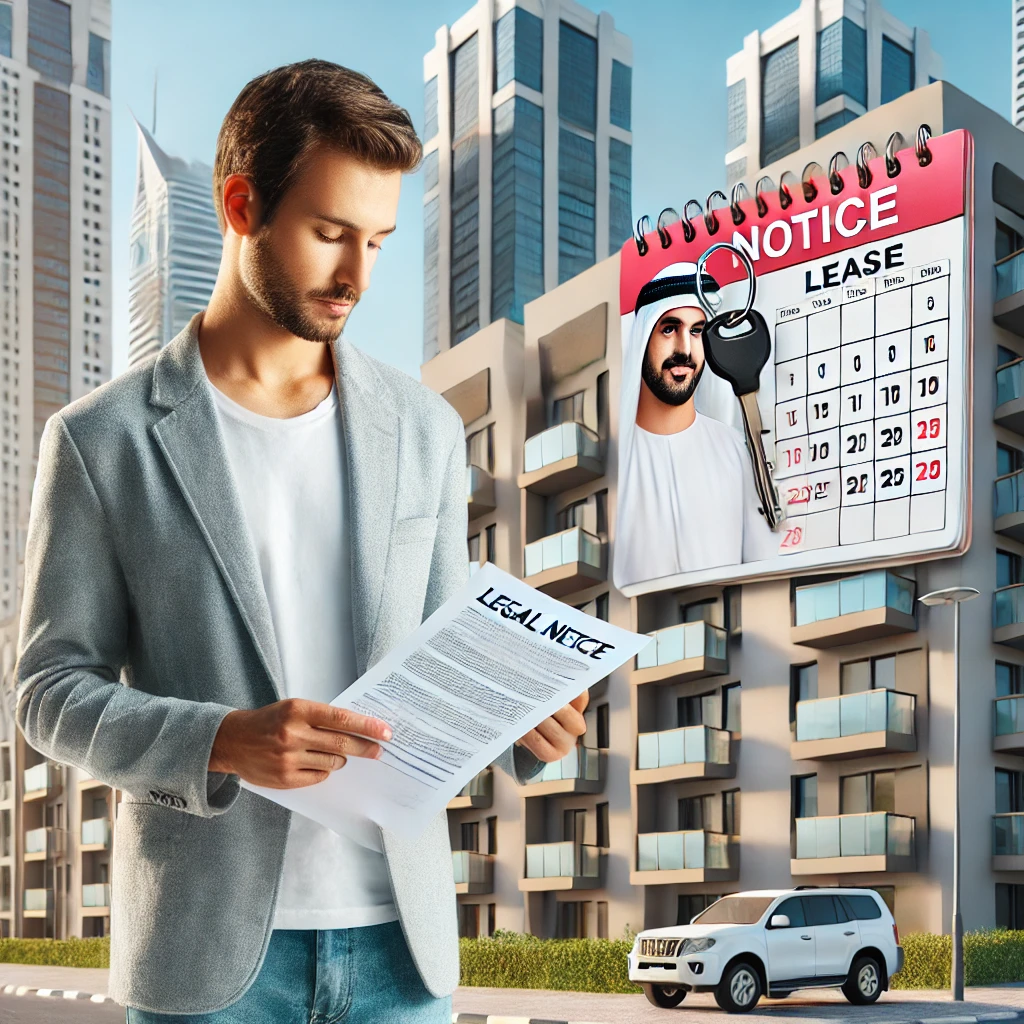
[770, 943]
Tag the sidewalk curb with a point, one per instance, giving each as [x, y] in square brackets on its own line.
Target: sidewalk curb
[484, 1018]
[981, 1018]
[54, 993]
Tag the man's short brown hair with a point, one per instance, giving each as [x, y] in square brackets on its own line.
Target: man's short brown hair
[282, 114]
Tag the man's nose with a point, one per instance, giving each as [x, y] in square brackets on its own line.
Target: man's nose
[354, 268]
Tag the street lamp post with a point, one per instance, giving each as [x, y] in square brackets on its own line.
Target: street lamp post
[955, 596]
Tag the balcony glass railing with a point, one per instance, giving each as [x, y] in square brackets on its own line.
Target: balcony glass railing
[855, 713]
[37, 777]
[695, 744]
[1008, 835]
[1009, 715]
[1010, 382]
[476, 478]
[481, 785]
[6, 789]
[1009, 496]
[1008, 606]
[471, 867]
[97, 895]
[867, 591]
[1010, 275]
[580, 763]
[560, 442]
[572, 545]
[678, 643]
[95, 830]
[562, 860]
[35, 841]
[38, 899]
[855, 835]
[674, 851]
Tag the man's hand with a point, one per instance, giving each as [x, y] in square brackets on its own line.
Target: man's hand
[293, 743]
[557, 735]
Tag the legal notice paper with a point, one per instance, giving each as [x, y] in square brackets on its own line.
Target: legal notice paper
[485, 668]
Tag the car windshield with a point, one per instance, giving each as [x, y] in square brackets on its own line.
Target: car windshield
[735, 910]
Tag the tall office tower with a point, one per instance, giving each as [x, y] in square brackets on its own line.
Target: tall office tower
[1017, 56]
[175, 247]
[528, 150]
[816, 70]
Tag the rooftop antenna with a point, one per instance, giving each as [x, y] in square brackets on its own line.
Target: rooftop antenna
[155, 73]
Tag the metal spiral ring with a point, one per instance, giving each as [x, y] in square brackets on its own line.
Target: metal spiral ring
[924, 154]
[785, 196]
[738, 216]
[762, 206]
[863, 171]
[835, 180]
[641, 242]
[810, 189]
[710, 217]
[689, 231]
[663, 233]
[744, 258]
[892, 165]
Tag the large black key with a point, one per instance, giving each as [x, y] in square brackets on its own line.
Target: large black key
[739, 359]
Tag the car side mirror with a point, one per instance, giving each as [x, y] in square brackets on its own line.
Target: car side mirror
[779, 921]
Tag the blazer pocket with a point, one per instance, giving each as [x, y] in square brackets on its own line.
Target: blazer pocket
[416, 529]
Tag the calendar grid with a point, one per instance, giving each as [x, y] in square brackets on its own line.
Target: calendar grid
[861, 403]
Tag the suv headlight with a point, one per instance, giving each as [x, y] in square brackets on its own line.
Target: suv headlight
[696, 946]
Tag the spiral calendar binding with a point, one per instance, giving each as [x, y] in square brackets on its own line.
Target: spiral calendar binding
[739, 191]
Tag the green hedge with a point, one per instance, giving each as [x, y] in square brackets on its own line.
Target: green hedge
[510, 960]
[56, 952]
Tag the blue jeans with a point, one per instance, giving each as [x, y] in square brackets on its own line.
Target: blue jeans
[348, 975]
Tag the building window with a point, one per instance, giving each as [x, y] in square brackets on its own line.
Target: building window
[49, 39]
[465, 94]
[474, 549]
[736, 131]
[602, 404]
[517, 243]
[577, 77]
[430, 171]
[469, 920]
[731, 812]
[465, 283]
[696, 813]
[780, 103]
[1009, 792]
[867, 792]
[5, 29]
[735, 171]
[602, 919]
[699, 709]
[568, 409]
[97, 75]
[518, 49]
[1009, 906]
[1008, 241]
[1005, 355]
[570, 516]
[622, 95]
[431, 217]
[470, 831]
[620, 196]
[1008, 460]
[491, 545]
[571, 922]
[709, 610]
[868, 674]
[689, 905]
[603, 832]
[1009, 680]
[842, 62]
[830, 124]
[480, 448]
[603, 727]
[805, 796]
[491, 918]
[731, 708]
[492, 835]
[803, 685]
[1008, 569]
[574, 825]
[897, 70]
[430, 109]
[577, 203]
[601, 517]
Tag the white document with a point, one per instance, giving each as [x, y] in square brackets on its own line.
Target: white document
[488, 666]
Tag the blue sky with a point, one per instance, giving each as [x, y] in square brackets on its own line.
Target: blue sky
[204, 51]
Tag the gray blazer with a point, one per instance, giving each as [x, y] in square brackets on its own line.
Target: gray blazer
[145, 622]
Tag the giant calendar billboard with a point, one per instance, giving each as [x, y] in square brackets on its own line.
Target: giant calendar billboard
[861, 405]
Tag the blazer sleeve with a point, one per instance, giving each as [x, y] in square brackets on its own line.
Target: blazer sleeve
[449, 571]
[72, 646]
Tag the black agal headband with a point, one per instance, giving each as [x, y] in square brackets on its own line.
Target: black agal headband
[664, 287]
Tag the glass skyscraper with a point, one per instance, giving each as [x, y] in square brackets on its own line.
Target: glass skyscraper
[518, 205]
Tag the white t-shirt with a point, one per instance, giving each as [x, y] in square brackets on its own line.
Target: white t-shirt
[289, 474]
[691, 503]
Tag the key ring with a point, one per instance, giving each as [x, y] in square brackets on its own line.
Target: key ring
[748, 265]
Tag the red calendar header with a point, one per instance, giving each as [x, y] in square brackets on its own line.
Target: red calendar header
[914, 198]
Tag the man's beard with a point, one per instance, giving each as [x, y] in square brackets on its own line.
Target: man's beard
[668, 393]
[271, 290]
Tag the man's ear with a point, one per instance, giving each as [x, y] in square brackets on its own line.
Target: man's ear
[242, 207]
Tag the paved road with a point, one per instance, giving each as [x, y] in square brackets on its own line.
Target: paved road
[35, 1010]
[807, 1007]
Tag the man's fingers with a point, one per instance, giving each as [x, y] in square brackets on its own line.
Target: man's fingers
[571, 720]
[327, 716]
[539, 746]
[581, 702]
[331, 743]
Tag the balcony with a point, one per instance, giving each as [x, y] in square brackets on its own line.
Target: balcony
[478, 792]
[41, 781]
[565, 865]
[694, 752]
[96, 897]
[854, 725]
[692, 650]
[479, 491]
[1009, 505]
[1008, 616]
[582, 770]
[564, 562]
[1008, 842]
[95, 834]
[1009, 410]
[41, 843]
[1009, 293]
[665, 858]
[6, 790]
[37, 902]
[474, 872]
[561, 458]
[847, 611]
[877, 841]
[1008, 725]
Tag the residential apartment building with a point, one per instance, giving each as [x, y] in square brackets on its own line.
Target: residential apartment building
[757, 731]
[1017, 68]
[175, 246]
[55, 337]
[527, 159]
[819, 68]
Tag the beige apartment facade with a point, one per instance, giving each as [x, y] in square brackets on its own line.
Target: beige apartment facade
[693, 779]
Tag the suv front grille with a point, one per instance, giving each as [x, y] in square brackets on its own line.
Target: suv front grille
[658, 947]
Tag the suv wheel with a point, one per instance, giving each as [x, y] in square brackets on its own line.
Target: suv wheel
[863, 985]
[665, 996]
[740, 988]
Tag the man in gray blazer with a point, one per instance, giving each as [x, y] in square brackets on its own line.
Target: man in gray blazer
[221, 540]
